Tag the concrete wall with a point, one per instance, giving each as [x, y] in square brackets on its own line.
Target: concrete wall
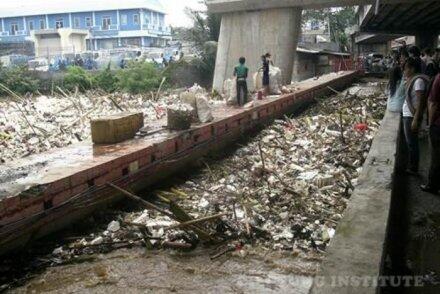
[78, 42]
[61, 41]
[82, 16]
[304, 66]
[53, 18]
[252, 34]
[47, 45]
[15, 20]
[129, 14]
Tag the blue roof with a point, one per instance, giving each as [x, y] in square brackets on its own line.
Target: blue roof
[41, 7]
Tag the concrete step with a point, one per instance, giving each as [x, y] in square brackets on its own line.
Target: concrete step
[116, 128]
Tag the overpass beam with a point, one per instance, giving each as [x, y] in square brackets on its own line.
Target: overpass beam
[254, 33]
[427, 40]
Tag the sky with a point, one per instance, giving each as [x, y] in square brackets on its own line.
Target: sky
[176, 11]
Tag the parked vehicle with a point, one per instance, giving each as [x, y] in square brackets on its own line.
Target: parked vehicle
[375, 63]
[12, 60]
[39, 64]
[154, 57]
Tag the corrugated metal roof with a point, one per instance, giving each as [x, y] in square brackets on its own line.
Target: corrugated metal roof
[309, 51]
[10, 8]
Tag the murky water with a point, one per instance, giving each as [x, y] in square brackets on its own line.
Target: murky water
[141, 271]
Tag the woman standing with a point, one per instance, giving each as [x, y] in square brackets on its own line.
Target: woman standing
[396, 88]
[266, 82]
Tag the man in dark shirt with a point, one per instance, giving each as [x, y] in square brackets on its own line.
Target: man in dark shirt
[431, 67]
[415, 53]
[433, 185]
[241, 72]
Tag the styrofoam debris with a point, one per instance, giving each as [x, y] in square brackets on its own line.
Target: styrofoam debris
[113, 226]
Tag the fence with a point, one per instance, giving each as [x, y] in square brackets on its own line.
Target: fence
[19, 48]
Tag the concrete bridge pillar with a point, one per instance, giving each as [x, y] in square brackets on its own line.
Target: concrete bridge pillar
[254, 33]
[427, 40]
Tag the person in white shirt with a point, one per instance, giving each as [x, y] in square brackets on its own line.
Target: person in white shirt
[413, 109]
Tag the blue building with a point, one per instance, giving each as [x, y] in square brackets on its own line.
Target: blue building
[105, 24]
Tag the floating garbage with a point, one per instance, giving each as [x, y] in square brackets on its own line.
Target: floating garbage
[286, 189]
[113, 226]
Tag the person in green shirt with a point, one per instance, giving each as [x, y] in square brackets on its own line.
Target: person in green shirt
[241, 72]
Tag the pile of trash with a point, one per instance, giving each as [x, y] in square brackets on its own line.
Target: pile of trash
[286, 189]
[275, 80]
[196, 98]
[30, 125]
[275, 85]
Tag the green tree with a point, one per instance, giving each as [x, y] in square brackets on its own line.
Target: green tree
[205, 64]
[206, 27]
[138, 77]
[76, 76]
[18, 79]
[203, 35]
[106, 80]
[338, 20]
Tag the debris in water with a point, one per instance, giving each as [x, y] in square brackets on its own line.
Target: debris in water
[286, 189]
[114, 226]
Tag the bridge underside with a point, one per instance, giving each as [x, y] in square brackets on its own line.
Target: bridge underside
[224, 6]
[418, 18]
[404, 18]
[366, 38]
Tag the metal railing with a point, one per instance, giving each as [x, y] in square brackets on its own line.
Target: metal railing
[109, 28]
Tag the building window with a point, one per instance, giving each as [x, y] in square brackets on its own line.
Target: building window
[136, 19]
[315, 25]
[42, 24]
[124, 19]
[76, 22]
[106, 22]
[31, 26]
[88, 22]
[59, 23]
[14, 28]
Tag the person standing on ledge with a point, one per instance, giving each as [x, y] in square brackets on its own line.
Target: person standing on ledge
[396, 87]
[413, 110]
[266, 63]
[433, 185]
[241, 72]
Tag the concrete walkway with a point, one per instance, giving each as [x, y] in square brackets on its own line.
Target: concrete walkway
[416, 240]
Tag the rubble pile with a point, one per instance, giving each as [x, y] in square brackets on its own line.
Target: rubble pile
[30, 125]
[179, 116]
[286, 189]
